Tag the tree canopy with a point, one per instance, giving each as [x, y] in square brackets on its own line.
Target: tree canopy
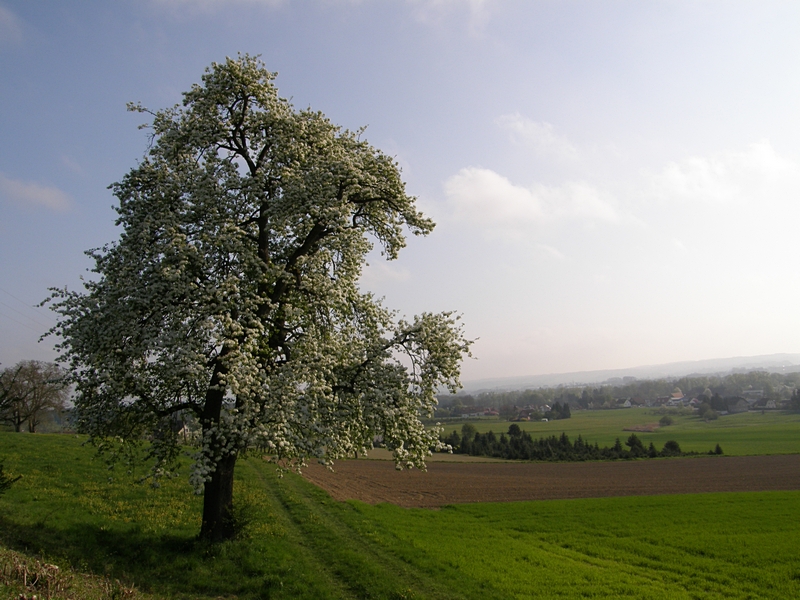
[232, 294]
[28, 390]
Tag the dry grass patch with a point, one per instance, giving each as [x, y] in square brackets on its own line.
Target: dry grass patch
[29, 578]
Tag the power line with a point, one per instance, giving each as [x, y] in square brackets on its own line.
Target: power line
[20, 323]
[24, 316]
[26, 305]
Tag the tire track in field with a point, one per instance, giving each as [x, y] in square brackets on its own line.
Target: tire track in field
[339, 547]
[653, 573]
[288, 525]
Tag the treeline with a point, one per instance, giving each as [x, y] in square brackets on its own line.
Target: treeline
[775, 386]
[520, 445]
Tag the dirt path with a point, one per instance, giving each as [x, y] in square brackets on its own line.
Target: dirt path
[375, 481]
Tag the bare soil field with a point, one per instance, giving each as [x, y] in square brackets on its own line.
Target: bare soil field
[645, 428]
[375, 481]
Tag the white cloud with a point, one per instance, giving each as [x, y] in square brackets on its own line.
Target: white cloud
[577, 200]
[31, 193]
[538, 135]
[730, 177]
[10, 27]
[484, 197]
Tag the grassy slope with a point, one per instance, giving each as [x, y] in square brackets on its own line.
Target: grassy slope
[740, 434]
[302, 544]
[66, 511]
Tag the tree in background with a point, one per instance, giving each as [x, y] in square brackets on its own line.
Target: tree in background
[636, 446]
[559, 411]
[468, 433]
[717, 402]
[794, 403]
[233, 294]
[706, 412]
[8, 388]
[28, 391]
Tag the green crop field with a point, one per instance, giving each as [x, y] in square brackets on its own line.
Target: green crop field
[706, 546]
[299, 543]
[774, 432]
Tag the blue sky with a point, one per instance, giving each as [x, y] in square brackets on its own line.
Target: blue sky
[615, 183]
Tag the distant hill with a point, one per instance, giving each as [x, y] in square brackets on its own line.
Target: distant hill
[780, 363]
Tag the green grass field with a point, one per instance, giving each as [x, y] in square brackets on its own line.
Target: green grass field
[741, 434]
[299, 543]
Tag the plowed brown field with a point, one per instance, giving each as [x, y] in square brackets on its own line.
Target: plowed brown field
[376, 481]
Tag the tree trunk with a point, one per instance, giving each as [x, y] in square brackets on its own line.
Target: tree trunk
[218, 522]
[18, 422]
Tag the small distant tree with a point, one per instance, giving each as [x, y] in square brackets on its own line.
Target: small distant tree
[635, 444]
[514, 430]
[9, 389]
[651, 450]
[717, 402]
[665, 421]
[508, 411]
[706, 412]
[671, 448]
[468, 431]
[718, 449]
[28, 391]
[559, 411]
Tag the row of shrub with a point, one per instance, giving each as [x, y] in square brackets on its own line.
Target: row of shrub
[519, 445]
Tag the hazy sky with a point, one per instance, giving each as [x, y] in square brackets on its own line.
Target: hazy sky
[614, 183]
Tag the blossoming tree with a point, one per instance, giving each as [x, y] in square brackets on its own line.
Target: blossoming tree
[232, 295]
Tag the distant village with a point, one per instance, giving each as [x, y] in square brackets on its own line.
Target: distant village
[711, 396]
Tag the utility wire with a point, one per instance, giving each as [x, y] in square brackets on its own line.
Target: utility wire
[23, 314]
[26, 305]
[19, 322]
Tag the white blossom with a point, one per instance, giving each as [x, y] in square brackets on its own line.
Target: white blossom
[234, 283]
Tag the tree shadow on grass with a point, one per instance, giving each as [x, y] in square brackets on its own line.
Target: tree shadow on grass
[154, 563]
